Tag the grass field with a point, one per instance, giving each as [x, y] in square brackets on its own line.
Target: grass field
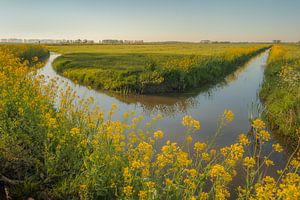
[281, 89]
[151, 68]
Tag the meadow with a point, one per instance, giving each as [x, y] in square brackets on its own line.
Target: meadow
[72, 152]
[151, 68]
[281, 90]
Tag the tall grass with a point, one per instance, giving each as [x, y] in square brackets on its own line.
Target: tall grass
[281, 90]
[73, 152]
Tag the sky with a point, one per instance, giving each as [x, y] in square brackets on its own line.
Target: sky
[152, 20]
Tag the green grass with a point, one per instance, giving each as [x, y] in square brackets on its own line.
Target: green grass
[281, 90]
[151, 68]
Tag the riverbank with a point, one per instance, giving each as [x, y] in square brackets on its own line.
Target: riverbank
[281, 90]
[152, 69]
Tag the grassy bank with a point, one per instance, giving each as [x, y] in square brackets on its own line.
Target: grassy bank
[281, 89]
[151, 68]
[71, 153]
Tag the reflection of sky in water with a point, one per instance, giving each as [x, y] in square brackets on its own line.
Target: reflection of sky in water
[237, 93]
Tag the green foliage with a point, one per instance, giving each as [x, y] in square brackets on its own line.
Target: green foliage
[281, 89]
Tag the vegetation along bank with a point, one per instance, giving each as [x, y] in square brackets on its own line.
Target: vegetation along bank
[152, 68]
[281, 90]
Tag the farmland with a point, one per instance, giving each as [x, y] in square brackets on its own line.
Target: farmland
[149, 69]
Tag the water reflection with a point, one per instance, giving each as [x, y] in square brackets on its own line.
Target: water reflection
[171, 104]
[236, 92]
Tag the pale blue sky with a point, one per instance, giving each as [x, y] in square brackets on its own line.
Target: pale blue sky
[152, 20]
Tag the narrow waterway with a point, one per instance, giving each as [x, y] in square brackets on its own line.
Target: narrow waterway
[238, 92]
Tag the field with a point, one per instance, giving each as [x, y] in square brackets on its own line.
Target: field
[151, 68]
[71, 153]
[281, 89]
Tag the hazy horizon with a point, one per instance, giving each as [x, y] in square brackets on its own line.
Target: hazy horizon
[152, 21]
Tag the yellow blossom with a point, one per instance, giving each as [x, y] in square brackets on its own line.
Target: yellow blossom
[295, 163]
[264, 135]
[218, 171]
[229, 115]
[269, 162]
[189, 139]
[198, 146]
[244, 140]
[205, 156]
[128, 190]
[277, 147]
[168, 181]
[158, 134]
[189, 122]
[142, 195]
[249, 162]
[204, 196]
[258, 124]
[74, 131]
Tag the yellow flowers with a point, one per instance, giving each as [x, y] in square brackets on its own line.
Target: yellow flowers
[168, 182]
[205, 156]
[189, 139]
[191, 172]
[128, 190]
[52, 122]
[74, 131]
[229, 115]
[198, 146]
[266, 189]
[84, 142]
[269, 162]
[189, 122]
[277, 147]
[244, 140]
[295, 163]
[218, 171]
[143, 195]
[290, 187]
[158, 134]
[249, 162]
[233, 152]
[258, 124]
[264, 135]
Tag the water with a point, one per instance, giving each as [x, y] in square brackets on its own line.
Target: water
[238, 92]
